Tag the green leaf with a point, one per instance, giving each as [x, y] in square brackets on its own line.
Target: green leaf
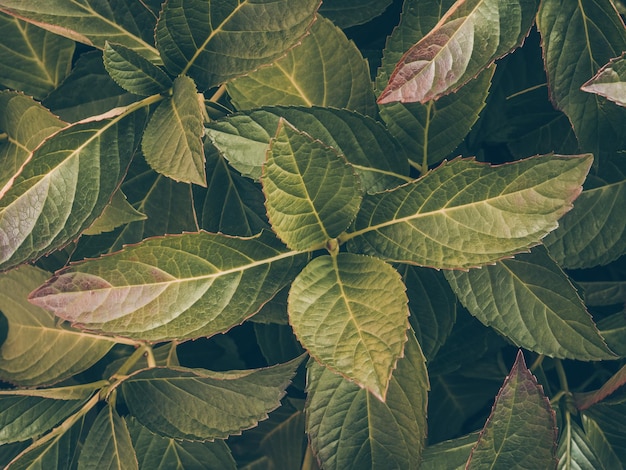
[92, 22]
[604, 293]
[117, 212]
[610, 81]
[346, 13]
[65, 186]
[601, 446]
[521, 430]
[33, 60]
[285, 445]
[326, 69]
[133, 72]
[205, 40]
[312, 193]
[202, 404]
[613, 330]
[575, 450]
[547, 316]
[243, 139]
[156, 452]
[446, 58]
[108, 443]
[172, 141]
[451, 455]
[37, 349]
[578, 38]
[350, 312]
[349, 428]
[465, 213]
[608, 418]
[174, 287]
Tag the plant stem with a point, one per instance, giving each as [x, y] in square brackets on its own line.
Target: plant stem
[218, 94]
[537, 362]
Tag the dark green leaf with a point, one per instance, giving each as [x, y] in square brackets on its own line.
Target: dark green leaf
[285, 445]
[602, 447]
[604, 293]
[346, 13]
[613, 330]
[575, 450]
[117, 212]
[451, 455]
[608, 418]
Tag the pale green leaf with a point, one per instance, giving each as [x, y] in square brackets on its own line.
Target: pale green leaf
[156, 452]
[243, 139]
[601, 446]
[350, 429]
[447, 57]
[350, 312]
[33, 60]
[133, 72]
[92, 22]
[312, 193]
[108, 444]
[451, 455]
[531, 301]
[37, 349]
[175, 287]
[65, 186]
[577, 39]
[610, 81]
[202, 404]
[575, 450]
[464, 213]
[521, 430]
[172, 141]
[117, 212]
[604, 292]
[326, 69]
[215, 42]
[346, 13]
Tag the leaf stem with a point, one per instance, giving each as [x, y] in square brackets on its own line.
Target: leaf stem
[560, 371]
[132, 360]
[537, 362]
[417, 166]
[4, 136]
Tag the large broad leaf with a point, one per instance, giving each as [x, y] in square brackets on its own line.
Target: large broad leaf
[531, 301]
[451, 455]
[108, 443]
[578, 38]
[243, 139]
[610, 81]
[349, 428]
[156, 452]
[92, 22]
[521, 430]
[350, 312]
[175, 287]
[117, 212]
[346, 13]
[465, 213]
[37, 349]
[65, 185]
[326, 69]
[202, 404]
[33, 59]
[312, 193]
[469, 37]
[205, 40]
[172, 142]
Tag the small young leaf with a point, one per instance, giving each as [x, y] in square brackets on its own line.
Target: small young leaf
[172, 141]
[117, 212]
[312, 193]
[202, 404]
[133, 72]
[205, 40]
[465, 214]
[610, 81]
[326, 69]
[346, 13]
[521, 430]
[350, 312]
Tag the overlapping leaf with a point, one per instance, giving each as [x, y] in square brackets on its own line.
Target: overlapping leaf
[469, 37]
[33, 60]
[350, 312]
[602, 446]
[465, 213]
[65, 186]
[38, 350]
[175, 287]
[608, 416]
[610, 81]
[202, 404]
[346, 13]
[172, 142]
[575, 450]
[386, 435]
[604, 292]
[214, 42]
[451, 455]
[243, 139]
[326, 69]
[546, 315]
[117, 212]
[312, 193]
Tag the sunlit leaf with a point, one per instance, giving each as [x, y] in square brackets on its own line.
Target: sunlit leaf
[202, 404]
[469, 37]
[205, 40]
[117, 212]
[451, 455]
[172, 141]
[175, 287]
[521, 430]
[326, 69]
[312, 193]
[465, 213]
[33, 60]
[350, 312]
[346, 13]
[386, 435]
